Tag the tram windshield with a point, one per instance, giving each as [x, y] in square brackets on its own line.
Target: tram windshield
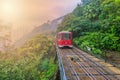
[65, 36]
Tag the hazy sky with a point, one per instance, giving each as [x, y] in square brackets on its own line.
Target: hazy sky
[24, 15]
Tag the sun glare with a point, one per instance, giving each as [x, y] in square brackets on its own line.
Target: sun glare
[8, 10]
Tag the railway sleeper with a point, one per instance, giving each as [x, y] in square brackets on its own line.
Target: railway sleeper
[78, 74]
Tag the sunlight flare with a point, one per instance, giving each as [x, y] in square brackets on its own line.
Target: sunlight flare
[9, 10]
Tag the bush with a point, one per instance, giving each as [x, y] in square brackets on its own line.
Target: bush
[25, 62]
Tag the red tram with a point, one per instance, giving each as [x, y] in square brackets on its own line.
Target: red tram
[64, 39]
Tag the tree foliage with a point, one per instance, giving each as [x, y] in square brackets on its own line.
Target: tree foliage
[33, 61]
[96, 24]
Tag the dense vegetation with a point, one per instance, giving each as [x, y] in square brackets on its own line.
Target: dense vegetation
[95, 25]
[33, 61]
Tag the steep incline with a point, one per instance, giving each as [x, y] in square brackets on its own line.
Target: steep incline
[46, 28]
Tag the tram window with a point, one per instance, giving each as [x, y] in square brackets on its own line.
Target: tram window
[65, 36]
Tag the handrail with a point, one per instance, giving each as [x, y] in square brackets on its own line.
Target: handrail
[61, 67]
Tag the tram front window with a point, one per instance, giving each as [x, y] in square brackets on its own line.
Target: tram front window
[65, 36]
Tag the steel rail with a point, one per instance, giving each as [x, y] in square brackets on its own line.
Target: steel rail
[61, 67]
[64, 62]
[73, 72]
[87, 72]
[99, 71]
[92, 77]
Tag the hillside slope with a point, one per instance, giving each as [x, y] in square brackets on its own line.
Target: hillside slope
[95, 25]
[96, 28]
[46, 28]
[32, 61]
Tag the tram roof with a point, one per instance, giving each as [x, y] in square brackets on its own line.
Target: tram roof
[64, 32]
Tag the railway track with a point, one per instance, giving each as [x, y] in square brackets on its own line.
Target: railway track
[79, 65]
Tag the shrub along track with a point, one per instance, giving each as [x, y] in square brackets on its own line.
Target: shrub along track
[79, 65]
